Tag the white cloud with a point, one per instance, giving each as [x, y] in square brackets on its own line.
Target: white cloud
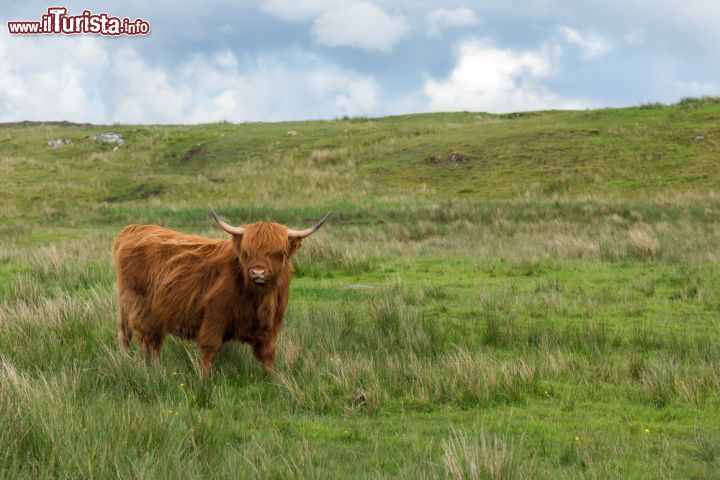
[487, 78]
[300, 10]
[207, 89]
[361, 25]
[344, 23]
[273, 88]
[226, 59]
[44, 80]
[592, 45]
[142, 94]
[441, 19]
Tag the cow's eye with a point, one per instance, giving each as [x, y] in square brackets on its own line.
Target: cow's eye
[278, 255]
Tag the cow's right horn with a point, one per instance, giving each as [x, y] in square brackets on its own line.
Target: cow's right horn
[228, 228]
[309, 231]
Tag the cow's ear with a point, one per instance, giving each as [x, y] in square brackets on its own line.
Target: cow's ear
[294, 246]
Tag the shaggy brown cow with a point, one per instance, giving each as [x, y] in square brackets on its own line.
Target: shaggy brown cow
[210, 291]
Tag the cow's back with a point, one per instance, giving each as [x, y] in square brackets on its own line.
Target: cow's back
[138, 254]
[163, 275]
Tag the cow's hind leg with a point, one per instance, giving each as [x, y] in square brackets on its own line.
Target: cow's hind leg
[124, 331]
[151, 344]
[146, 330]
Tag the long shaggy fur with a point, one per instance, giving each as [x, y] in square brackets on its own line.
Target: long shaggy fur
[199, 289]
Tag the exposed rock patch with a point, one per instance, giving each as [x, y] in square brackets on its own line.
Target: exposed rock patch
[195, 154]
[58, 143]
[358, 286]
[108, 138]
[453, 158]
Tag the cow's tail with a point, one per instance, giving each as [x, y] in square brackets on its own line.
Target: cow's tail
[124, 332]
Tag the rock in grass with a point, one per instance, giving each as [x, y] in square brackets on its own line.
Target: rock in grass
[108, 138]
[358, 286]
[453, 158]
[58, 142]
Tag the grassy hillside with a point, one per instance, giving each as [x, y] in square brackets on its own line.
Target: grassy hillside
[530, 295]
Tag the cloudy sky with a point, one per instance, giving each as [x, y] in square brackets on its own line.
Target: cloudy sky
[245, 60]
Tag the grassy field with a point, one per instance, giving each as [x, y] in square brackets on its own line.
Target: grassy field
[531, 295]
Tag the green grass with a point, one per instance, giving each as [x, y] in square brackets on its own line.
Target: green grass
[548, 308]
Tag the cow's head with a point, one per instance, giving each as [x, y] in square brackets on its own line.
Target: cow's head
[265, 248]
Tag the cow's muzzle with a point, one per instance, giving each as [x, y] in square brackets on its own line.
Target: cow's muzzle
[259, 275]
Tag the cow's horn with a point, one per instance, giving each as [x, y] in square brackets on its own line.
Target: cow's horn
[306, 233]
[228, 228]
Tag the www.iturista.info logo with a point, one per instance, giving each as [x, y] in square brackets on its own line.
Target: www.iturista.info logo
[57, 21]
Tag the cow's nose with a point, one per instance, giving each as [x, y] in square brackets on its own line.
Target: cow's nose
[257, 272]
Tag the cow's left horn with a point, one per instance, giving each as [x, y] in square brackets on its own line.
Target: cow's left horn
[306, 233]
[228, 228]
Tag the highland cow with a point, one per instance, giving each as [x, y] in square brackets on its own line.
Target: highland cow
[209, 291]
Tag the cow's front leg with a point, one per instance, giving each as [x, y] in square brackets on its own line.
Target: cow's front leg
[264, 350]
[209, 341]
[208, 355]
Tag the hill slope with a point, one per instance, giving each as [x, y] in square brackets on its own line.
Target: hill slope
[627, 152]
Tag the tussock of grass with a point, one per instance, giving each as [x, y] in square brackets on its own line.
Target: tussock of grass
[320, 256]
[642, 245]
[490, 457]
[707, 445]
[693, 103]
